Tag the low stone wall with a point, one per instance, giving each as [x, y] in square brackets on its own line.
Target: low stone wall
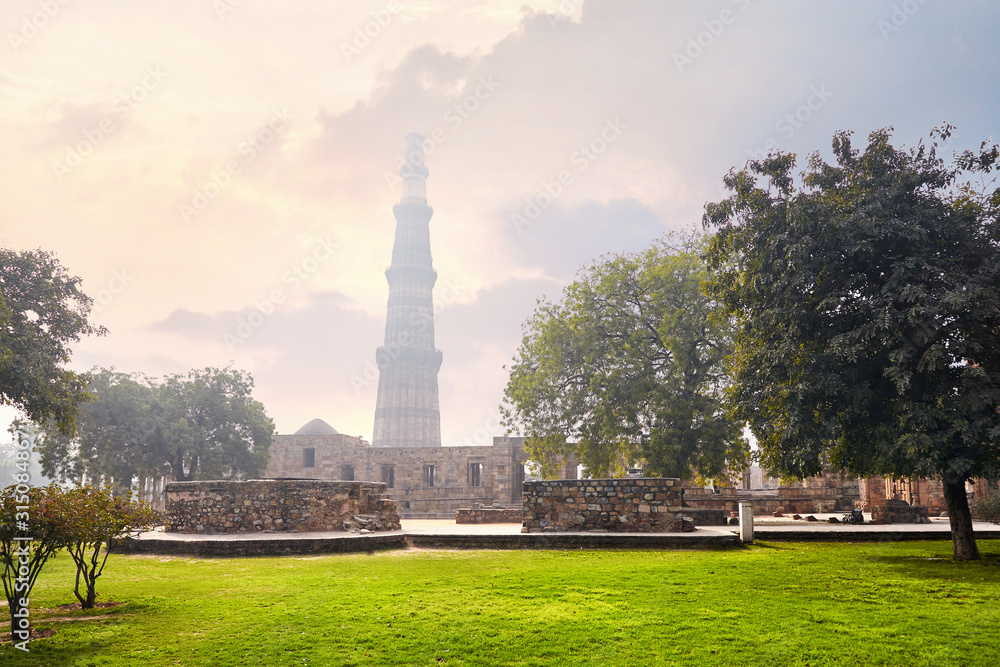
[787, 500]
[647, 505]
[899, 511]
[489, 515]
[278, 505]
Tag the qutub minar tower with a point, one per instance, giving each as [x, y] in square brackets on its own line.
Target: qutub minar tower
[407, 413]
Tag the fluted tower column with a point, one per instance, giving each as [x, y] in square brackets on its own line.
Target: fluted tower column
[407, 413]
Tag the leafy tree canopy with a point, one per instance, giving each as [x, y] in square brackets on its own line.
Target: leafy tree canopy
[205, 425]
[868, 305]
[627, 368]
[42, 311]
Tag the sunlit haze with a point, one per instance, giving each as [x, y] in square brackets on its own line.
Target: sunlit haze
[221, 174]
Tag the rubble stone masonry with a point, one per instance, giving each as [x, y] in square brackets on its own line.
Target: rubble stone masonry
[827, 493]
[648, 505]
[278, 505]
[488, 515]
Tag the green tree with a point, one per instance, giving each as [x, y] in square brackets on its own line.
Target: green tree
[210, 427]
[628, 369]
[92, 520]
[868, 305]
[113, 440]
[206, 425]
[42, 311]
[30, 533]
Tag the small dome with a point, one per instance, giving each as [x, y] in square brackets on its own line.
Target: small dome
[317, 427]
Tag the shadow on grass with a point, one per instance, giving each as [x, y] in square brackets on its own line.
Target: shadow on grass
[938, 562]
[62, 643]
[770, 546]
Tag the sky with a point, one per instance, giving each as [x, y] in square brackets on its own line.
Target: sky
[221, 173]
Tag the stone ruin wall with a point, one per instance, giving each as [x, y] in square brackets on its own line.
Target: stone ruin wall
[473, 515]
[253, 506]
[502, 470]
[822, 494]
[929, 493]
[648, 505]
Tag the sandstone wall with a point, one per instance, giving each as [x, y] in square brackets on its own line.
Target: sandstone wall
[929, 493]
[278, 505]
[501, 467]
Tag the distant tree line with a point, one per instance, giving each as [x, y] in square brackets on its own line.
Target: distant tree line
[205, 425]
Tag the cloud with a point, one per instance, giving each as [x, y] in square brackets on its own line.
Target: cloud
[193, 325]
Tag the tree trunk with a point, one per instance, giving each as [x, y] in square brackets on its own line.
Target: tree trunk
[91, 599]
[20, 629]
[960, 518]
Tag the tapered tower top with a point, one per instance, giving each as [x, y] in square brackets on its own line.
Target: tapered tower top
[413, 170]
[407, 413]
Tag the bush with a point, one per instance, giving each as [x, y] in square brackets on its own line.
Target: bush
[986, 507]
[35, 522]
[31, 531]
[92, 520]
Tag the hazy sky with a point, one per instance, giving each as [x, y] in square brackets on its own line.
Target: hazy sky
[220, 172]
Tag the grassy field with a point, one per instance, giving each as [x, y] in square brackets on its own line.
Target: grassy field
[780, 604]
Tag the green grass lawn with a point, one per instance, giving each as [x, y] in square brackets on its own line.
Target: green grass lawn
[780, 604]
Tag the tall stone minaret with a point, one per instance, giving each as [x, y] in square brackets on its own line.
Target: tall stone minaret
[407, 413]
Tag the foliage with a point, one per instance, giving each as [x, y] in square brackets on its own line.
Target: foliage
[769, 604]
[627, 369]
[212, 428]
[868, 304]
[35, 522]
[30, 534]
[92, 520]
[42, 311]
[202, 426]
[986, 505]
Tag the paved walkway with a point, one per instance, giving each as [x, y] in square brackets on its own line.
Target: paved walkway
[448, 534]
